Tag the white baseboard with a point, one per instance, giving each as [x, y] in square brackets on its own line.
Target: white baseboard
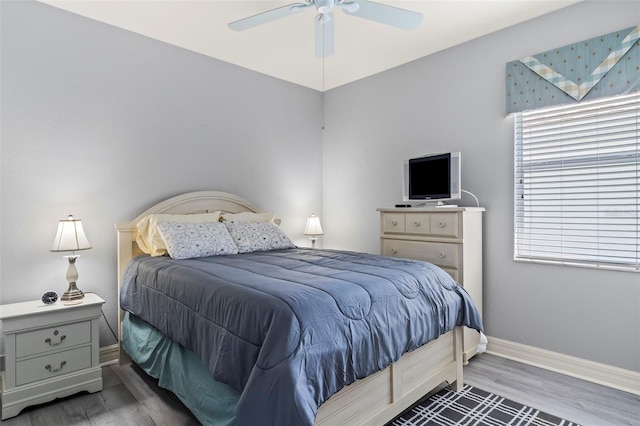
[109, 355]
[614, 377]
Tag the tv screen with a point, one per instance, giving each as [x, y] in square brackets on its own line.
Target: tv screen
[430, 177]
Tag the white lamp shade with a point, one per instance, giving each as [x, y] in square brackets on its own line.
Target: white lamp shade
[70, 236]
[313, 226]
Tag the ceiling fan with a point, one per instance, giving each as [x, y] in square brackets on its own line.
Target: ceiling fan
[324, 25]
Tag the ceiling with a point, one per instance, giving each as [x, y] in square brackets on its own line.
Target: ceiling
[285, 48]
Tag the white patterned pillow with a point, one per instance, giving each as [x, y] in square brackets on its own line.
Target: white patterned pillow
[149, 239]
[189, 240]
[254, 236]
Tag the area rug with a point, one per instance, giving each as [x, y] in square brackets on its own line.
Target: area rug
[474, 407]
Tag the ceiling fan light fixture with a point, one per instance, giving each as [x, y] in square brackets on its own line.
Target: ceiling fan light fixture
[325, 6]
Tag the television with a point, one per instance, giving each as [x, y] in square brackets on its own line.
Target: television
[433, 177]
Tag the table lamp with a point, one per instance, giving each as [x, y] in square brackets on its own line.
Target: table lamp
[71, 237]
[313, 228]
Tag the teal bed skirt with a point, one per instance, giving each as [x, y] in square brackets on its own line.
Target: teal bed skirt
[180, 371]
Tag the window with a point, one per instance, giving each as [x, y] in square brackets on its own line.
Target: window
[577, 184]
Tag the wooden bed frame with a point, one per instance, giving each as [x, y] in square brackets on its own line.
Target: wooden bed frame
[373, 400]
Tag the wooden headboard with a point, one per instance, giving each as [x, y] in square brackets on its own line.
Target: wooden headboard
[191, 202]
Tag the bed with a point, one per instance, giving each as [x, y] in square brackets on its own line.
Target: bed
[369, 391]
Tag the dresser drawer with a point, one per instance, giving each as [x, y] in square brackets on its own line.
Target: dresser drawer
[52, 338]
[445, 224]
[441, 254]
[417, 223]
[51, 365]
[393, 223]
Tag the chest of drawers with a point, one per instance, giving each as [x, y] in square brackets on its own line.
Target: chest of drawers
[51, 351]
[450, 238]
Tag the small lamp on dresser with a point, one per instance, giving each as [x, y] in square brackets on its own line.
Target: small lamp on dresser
[71, 238]
[313, 228]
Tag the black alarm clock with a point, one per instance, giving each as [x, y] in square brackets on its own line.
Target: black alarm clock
[49, 298]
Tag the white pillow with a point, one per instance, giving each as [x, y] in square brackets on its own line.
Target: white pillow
[149, 239]
[248, 217]
[190, 240]
[258, 236]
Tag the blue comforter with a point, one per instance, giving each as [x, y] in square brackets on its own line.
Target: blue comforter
[289, 328]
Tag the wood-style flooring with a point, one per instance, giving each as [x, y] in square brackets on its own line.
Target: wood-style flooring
[573, 399]
[130, 397]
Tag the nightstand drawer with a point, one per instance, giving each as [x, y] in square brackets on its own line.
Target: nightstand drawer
[52, 338]
[441, 254]
[44, 367]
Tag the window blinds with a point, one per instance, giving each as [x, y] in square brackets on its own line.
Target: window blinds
[577, 184]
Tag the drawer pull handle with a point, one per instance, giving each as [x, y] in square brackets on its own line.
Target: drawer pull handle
[416, 223]
[48, 340]
[52, 370]
[442, 224]
[394, 222]
[442, 255]
[394, 251]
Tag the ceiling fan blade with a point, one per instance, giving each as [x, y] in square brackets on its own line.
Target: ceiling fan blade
[268, 16]
[324, 35]
[384, 14]
[350, 6]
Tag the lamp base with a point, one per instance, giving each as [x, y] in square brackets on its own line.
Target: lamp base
[72, 296]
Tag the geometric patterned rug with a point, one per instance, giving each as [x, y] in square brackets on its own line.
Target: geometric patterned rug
[474, 407]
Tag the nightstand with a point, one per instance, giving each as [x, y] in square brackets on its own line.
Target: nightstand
[51, 351]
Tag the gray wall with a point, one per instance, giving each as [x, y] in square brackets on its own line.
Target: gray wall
[102, 123]
[454, 100]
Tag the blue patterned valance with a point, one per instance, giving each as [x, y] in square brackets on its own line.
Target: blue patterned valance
[603, 66]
